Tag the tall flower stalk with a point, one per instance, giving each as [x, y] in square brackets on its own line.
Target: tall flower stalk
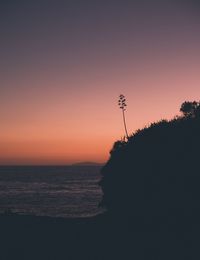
[122, 106]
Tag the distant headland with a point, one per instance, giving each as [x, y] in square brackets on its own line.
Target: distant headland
[87, 164]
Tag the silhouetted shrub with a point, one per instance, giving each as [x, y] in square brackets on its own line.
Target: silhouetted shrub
[190, 109]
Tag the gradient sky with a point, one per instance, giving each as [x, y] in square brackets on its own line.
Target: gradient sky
[64, 63]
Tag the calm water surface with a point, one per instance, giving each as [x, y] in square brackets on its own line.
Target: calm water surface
[67, 191]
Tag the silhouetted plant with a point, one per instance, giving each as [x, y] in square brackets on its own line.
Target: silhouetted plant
[117, 145]
[189, 109]
[122, 105]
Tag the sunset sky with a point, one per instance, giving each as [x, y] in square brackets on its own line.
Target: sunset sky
[63, 65]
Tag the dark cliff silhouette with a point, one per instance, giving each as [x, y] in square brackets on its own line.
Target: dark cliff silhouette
[151, 187]
[156, 173]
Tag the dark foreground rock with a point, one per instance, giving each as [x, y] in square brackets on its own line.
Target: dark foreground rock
[101, 237]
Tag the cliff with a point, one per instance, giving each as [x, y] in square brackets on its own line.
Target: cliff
[156, 174]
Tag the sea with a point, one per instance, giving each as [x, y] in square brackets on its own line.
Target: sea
[56, 191]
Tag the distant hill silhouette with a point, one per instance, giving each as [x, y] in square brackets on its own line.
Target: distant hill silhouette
[155, 175]
[87, 164]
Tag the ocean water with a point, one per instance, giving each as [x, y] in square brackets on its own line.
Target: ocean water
[58, 191]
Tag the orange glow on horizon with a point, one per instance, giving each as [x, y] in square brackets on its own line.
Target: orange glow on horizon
[60, 79]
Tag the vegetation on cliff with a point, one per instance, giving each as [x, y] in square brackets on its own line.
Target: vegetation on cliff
[157, 171]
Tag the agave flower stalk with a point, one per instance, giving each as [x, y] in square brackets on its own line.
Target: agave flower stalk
[122, 106]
